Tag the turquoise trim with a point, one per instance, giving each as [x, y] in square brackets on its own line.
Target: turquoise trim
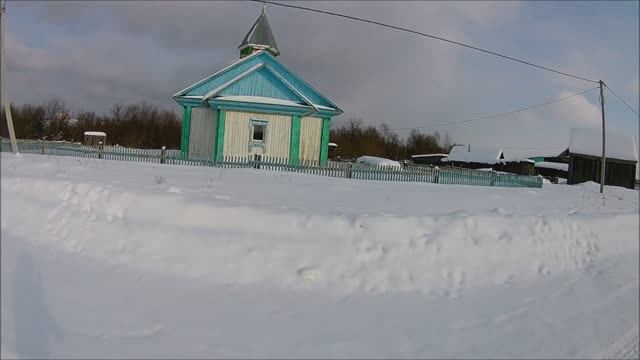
[225, 75]
[324, 141]
[219, 153]
[260, 108]
[186, 129]
[294, 141]
[189, 102]
[262, 82]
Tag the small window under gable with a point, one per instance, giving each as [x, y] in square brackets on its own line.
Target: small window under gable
[258, 130]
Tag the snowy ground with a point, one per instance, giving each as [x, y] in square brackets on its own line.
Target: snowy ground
[117, 259]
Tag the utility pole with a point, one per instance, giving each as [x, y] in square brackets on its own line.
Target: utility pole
[4, 98]
[603, 162]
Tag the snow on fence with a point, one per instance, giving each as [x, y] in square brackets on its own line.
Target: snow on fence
[412, 173]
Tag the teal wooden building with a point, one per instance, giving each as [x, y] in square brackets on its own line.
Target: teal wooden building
[256, 106]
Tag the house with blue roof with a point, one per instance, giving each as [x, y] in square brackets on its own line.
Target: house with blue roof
[256, 106]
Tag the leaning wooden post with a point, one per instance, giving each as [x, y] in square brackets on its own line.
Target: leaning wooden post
[100, 147]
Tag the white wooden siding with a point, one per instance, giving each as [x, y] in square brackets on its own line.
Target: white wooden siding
[237, 134]
[310, 134]
[202, 133]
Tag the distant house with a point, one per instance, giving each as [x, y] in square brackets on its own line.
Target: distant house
[256, 106]
[429, 159]
[477, 157]
[585, 151]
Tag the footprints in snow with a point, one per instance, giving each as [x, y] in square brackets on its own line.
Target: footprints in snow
[83, 203]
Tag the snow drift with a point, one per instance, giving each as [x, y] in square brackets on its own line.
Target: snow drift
[302, 234]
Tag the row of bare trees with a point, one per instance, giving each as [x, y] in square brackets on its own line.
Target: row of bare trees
[140, 125]
[355, 139]
[143, 125]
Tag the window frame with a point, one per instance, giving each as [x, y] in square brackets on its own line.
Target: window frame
[265, 135]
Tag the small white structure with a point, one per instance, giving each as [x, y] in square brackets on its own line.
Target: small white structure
[378, 161]
[94, 137]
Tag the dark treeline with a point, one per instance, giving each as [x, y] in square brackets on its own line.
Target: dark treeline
[354, 139]
[140, 125]
[143, 125]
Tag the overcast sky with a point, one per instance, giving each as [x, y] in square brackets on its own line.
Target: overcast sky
[94, 54]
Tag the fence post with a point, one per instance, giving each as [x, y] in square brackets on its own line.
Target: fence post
[493, 178]
[100, 147]
[437, 176]
[349, 170]
[162, 154]
[42, 145]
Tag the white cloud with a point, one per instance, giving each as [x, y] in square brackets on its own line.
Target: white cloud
[577, 111]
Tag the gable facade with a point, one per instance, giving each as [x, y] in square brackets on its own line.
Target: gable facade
[255, 106]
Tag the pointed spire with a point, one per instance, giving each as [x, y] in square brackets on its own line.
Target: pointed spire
[259, 37]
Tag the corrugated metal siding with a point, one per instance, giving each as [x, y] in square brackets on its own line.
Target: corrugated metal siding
[202, 133]
[261, 83]
[310, 133]
[237, 133]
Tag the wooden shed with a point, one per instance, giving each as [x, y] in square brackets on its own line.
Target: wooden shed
[585, 151]
[94, 138]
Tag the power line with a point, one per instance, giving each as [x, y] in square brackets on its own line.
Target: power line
[501, 114]
[426, 35]
[621, 99]
[533, 148]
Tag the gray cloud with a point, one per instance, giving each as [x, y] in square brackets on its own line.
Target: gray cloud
[141, 50]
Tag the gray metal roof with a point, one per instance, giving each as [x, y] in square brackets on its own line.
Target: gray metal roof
[260, 34]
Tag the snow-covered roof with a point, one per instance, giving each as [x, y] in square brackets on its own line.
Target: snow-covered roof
[552, 165]
[260, 100]
[475, 154]
[429, 155]
[518, 159]
[589, 142]
[378, 161]
[95, 133]
[333, 144]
